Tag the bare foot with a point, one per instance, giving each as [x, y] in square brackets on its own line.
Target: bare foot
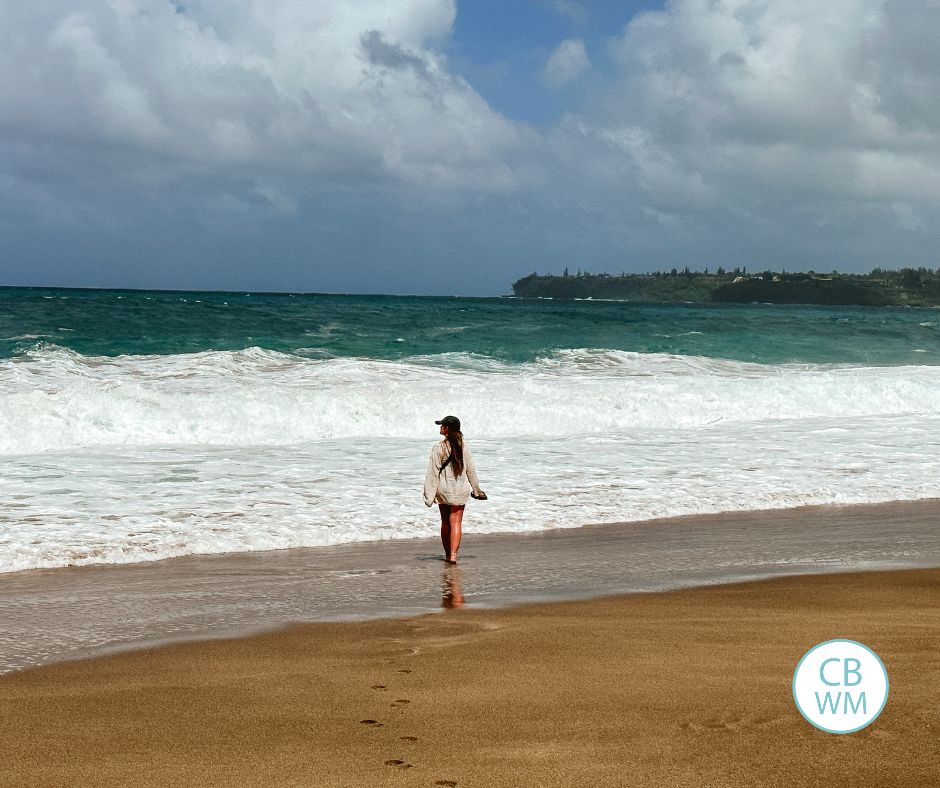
[451, 559]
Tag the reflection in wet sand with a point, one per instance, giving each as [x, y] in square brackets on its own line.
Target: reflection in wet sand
[451, 590]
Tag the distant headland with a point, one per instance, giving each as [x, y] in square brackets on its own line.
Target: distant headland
[880, 287]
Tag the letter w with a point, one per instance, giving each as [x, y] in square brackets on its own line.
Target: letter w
[832, 705]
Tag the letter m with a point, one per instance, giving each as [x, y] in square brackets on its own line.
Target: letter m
[861, 702]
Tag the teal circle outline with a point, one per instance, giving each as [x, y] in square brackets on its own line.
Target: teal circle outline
[796, 701]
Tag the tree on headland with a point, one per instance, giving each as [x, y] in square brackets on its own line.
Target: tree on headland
[881, 287]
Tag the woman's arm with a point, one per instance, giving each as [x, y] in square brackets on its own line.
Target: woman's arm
[430, 478]
[471, 468]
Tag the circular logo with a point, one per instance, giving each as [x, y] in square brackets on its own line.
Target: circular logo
[840, 686]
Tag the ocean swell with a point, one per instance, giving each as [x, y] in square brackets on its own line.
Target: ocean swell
[53, 399]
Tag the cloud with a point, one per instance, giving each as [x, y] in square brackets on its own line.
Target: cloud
[574, 10]
[776, 118]
[330, 145]
[321, 87]
[382, 53]
[567, 62]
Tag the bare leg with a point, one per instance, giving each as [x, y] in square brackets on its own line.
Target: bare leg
[445, 528]
[456, 531]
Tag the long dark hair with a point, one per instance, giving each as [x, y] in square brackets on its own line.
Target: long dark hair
[455, 459]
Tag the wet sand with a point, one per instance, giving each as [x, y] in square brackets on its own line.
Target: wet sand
[683, 688]
[51, 615]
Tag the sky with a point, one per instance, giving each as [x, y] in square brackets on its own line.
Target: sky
[450, 147]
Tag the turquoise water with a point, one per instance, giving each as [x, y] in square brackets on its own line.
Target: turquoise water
[111, 323]
[136, 426]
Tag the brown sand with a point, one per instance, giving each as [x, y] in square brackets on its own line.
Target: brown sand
[688, 688]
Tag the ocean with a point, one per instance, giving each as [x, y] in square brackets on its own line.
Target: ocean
[137, 426]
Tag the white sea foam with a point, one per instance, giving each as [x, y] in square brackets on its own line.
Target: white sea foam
[143, 457]
[58, 400]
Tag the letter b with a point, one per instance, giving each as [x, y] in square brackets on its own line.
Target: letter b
[853, 671]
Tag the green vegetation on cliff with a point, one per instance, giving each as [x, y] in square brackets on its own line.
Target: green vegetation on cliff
[911, 286]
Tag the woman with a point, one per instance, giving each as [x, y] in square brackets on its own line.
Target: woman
[451, 480]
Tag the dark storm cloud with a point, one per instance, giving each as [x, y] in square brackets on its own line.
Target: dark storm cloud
[381, 53]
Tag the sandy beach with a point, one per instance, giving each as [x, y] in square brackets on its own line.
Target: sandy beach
[52, 615]
[679, 688]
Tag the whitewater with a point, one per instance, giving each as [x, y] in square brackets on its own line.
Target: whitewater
[136, 457]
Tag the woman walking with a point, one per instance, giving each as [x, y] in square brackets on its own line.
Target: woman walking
[450, 482]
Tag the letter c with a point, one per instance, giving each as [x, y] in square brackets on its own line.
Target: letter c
[822, 672]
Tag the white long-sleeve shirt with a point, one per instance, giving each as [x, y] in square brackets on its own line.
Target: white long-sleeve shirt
[445, 487]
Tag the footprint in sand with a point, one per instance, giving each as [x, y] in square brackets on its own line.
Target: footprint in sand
[378, 686]
[408, 738]
[404, 670]
[401, 702]
[397, 762]
[374, 723]
[446, 782]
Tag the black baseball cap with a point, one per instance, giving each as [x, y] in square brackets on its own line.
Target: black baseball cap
[451, 422]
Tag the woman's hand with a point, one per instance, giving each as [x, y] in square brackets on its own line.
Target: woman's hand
[480, 496]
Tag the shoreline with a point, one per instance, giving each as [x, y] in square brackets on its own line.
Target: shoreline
[652, 521]
[79, 612]
[687, 687]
